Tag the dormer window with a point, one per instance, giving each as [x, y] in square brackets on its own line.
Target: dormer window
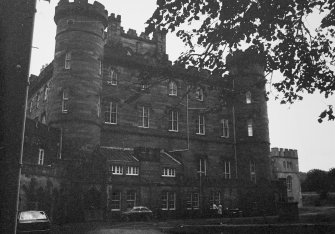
[112, 77]
[67, 61]
[199, 94]
[173, 89]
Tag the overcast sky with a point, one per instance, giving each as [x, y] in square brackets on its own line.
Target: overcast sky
[291, 126]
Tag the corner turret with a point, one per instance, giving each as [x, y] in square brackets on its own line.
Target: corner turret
[74, 100]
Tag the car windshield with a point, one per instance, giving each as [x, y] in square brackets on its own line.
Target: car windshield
[144, 209]
[31, 215]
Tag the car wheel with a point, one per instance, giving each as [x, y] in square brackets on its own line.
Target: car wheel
[148, 218]
[126, 219]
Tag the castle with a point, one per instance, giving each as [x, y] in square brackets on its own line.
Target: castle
[134, 130]
[284, 164]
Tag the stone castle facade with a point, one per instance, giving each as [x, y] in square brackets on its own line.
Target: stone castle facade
[285, 165]
[135, 130]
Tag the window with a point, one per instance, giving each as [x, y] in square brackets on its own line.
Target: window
[173, 121]
[99, 107]
[131, 199]
[202, 166]
[65, 100]
[289, 183]
[225, 128]
[43, 118]
[201, 125]
[100, 66]
[111, 113]
[215, 198]
[169, 172]
[173, 90]
[115, 201]
[31, 105]
[289, 165]
[46, 90]
[113, 77]
[168, 200]
[199, 94]
[227, 174]
[40, 157]
[132, 170]
[248, 97]
[117, 170]
[284, 164]
[144, 117]
[37, 100]
[250, 128]
[144, 86]
[192, 201]
[253, 172]
[67, 61]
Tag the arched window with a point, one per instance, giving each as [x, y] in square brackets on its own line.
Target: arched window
[173, 90]
[250, 128]
[248, 97]
[289, 183]
[112, 77]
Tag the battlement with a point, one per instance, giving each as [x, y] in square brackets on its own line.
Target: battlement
[83, 8]
[112, 18]
[115, 22]
[282, 152]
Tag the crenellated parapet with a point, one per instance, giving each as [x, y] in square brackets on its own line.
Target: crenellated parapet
[81, 7]
[139, 42]
[282, 152]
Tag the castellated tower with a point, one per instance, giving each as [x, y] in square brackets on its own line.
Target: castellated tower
[251, 117]
[74, 103]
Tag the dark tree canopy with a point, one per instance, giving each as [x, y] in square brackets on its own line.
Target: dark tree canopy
[280, 28]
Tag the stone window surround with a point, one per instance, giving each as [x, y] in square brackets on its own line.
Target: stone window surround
[40, 156]
[168, 200]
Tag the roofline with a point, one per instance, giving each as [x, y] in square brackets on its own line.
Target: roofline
[116, 148]
[162, 151]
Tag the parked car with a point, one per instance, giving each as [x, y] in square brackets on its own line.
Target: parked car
[234, 212]
[137, 213]
[33, 221]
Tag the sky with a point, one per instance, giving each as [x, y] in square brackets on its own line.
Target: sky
[291, 126]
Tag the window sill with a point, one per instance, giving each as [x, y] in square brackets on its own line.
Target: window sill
[169, 176]
[224, 137]
[201, 134]
[173, 130]
[110, 123]
[143, 127]
[132, 174]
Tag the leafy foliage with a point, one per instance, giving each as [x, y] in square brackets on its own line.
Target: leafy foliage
[280, 28]
[319, 181]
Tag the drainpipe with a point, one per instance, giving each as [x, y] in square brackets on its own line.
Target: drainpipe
[234, 129]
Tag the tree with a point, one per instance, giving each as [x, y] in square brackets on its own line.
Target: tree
[316, 181]
[278, 27]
